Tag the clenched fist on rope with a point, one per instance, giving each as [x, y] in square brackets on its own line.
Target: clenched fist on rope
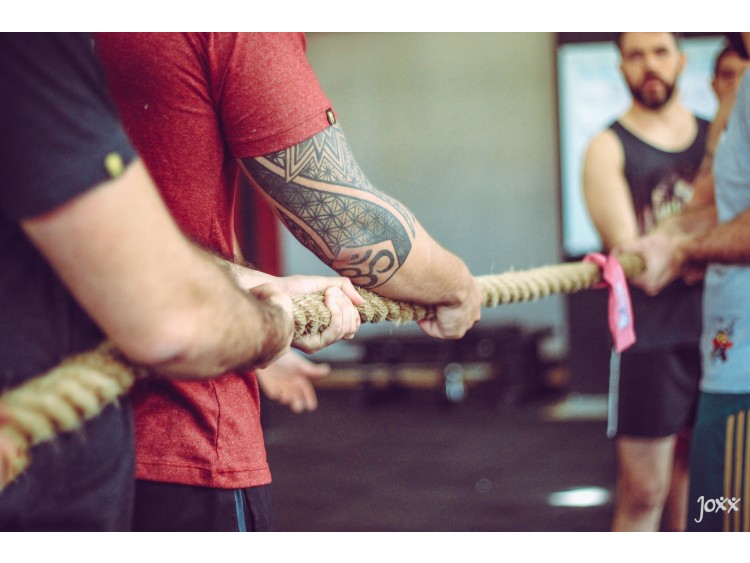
[338, 294]
[288, 379]
[676, 249]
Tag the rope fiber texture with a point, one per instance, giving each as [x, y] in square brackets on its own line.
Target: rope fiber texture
[311, 315]
[79, 388]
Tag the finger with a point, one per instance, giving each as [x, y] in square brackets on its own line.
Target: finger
[351, 292]
[445, 327]
[351, 320]
[431, 327]
[297, 405]
[299, 396]
[309, 396]
[335, 328]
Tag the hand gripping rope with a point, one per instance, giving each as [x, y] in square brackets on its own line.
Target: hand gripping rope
[80, 387]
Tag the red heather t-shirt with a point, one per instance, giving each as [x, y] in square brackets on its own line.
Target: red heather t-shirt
[192, 103]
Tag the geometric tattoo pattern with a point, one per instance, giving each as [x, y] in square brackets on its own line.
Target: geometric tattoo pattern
[328, 204]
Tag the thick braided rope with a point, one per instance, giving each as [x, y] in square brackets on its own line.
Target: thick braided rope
[311, 315]
[61, 400]
[79, 388]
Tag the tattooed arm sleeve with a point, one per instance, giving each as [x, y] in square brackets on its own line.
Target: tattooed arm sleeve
[324, 199]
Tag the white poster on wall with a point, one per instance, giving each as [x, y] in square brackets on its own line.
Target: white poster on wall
[592, 94]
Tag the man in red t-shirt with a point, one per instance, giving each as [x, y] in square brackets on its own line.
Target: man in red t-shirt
[202, 109]
[91, 252]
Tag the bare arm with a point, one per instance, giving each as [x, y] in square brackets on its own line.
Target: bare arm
[719, 122]
[607, 193]
[321, 195]
[703, 188]
[161, 300]
[724, 243]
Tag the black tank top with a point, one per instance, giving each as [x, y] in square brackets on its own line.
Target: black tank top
[661, 182]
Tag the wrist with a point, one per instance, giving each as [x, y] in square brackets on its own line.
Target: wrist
[465, 288]
[277, 329]
[685, 250]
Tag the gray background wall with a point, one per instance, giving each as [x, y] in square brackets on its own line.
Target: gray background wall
[460, 127]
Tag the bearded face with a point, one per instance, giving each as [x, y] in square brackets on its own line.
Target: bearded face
[651, 64]
[653, 91]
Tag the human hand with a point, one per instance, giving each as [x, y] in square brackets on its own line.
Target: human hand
[288, 380]
[303, 285]
[341, 299]
[661, 251]
[278, 316]
[453, 320]
[344, 322]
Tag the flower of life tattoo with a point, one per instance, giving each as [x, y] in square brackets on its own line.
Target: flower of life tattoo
[328, 204]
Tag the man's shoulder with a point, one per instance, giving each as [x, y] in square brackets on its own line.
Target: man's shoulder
[606, 138]
[604, 146]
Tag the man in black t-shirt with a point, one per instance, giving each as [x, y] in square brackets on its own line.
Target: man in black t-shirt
[89, 250]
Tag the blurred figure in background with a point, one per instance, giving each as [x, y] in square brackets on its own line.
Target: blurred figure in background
[638, 172]
[717, 235]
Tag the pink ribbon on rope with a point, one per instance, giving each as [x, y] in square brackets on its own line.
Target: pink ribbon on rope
[620, 309]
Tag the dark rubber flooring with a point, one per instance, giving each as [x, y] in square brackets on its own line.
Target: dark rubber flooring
[408, 461]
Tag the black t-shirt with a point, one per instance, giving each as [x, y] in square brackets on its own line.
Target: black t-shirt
[56, 128]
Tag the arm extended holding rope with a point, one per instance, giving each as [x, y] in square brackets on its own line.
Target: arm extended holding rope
[322, 196]
[310, 315]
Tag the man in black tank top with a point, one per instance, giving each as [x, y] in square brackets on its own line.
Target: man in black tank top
[637, 172]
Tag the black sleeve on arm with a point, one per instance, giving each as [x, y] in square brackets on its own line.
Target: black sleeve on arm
[57, 124]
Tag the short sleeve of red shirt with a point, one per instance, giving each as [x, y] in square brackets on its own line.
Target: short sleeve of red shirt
[265, 91]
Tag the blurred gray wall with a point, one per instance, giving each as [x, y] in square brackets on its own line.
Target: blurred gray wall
[460, 127]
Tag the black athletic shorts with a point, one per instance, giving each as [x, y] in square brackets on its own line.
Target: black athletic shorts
[169, 507]
[653, 393]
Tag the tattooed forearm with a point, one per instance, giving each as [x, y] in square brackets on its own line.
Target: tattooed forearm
[327, 157]
[328, 204]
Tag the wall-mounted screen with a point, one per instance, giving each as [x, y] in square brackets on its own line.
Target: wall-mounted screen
[592, 94]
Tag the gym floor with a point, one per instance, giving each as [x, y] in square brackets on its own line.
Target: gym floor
[403, 458]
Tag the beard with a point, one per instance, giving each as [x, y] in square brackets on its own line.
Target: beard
[652, 100]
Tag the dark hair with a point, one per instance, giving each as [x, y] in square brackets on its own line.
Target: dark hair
[734, 39]
[728, 50]
[618, 38]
